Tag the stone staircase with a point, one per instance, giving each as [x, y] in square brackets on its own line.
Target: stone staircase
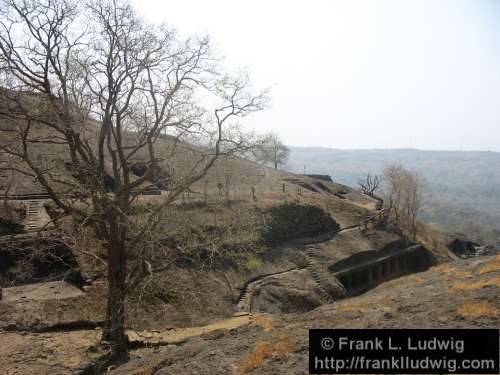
[37, 217]
[318, 273]
[245, 300]
[380, 215]
[314, 270]
[244, 303]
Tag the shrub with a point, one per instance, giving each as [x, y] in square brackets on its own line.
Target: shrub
[292, 220]
[263, 351]
[253, 263]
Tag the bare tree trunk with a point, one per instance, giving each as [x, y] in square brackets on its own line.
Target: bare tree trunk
[132, 68]
[227, 179]
[114, 329]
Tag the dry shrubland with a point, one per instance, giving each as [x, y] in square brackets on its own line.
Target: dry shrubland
[457, 287]
[492, 266]
[476, 309]
[264, 351]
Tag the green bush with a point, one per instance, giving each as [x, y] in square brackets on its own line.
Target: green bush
[253, 263]
[292, 220]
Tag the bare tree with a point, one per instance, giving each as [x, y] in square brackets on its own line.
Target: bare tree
[369, 184]
[403, 191]
[273, 150]
[412, 201]
[93, 87]
[393, 187]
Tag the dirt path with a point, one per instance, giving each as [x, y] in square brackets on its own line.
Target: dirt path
[178, 335]
[66, 352]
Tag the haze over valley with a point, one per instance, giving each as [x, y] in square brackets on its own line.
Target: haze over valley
[461, 188]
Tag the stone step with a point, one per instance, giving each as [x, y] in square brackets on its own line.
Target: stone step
[36, 215]
[310, 253]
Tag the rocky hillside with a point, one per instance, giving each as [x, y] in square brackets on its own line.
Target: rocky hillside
[255, 255]
[461, 187]
[462, 294]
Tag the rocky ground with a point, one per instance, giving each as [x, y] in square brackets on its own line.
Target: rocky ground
[462, 294]
[219, 238]
[186, 325]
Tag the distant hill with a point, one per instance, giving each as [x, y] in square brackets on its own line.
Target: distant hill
[462, 187]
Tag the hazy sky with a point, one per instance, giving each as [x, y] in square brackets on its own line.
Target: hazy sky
[360, 74]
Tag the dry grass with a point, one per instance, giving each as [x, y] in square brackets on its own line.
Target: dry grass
[282, 349]
[263, 322]
[462, 273]
[416, 280]
[353, 306]
[492, 266]
[433, 239]
[263, 351]
[385, 300]
[150, 370]
[458, 287]
[476, 309]
[445, 268]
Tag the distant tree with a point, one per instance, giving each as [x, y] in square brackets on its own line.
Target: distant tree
[273, 150]
[404, 191]
[369, 184]
[392, 187]
[91, 81]
[412, 201]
